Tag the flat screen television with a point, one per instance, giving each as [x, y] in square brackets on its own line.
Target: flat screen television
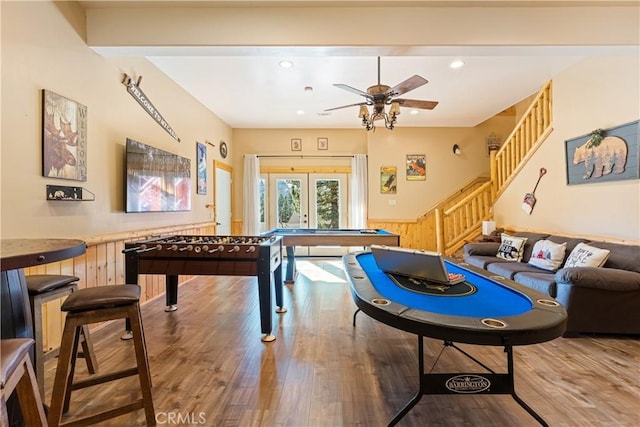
[156, 180]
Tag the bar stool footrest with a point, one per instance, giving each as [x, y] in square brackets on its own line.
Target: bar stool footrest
[106, 415]
[89, 382]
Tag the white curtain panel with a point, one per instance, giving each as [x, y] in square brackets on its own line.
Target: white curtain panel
[251, 198]
[358, 211]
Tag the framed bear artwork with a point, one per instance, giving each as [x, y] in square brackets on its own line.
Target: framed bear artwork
[603, 155]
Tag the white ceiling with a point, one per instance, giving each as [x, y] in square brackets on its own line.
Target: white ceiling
[247, 88]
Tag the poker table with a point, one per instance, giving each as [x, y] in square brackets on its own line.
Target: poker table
[292, 237]
[482, 310]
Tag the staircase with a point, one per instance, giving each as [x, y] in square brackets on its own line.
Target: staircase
[456, 223]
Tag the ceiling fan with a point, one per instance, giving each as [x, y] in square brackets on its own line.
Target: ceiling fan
[380, 95]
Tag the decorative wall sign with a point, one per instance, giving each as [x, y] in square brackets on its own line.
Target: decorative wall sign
[201, 161]
[416, 167]
[64, 137]
[66, 193]
[604, 155]
[133, 87]
[388, 179]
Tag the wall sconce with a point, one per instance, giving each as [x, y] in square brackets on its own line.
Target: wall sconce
[456, 149]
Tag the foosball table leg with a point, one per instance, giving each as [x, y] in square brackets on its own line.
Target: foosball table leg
[268, 338]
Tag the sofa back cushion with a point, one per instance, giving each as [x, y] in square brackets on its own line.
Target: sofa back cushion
[623, 257]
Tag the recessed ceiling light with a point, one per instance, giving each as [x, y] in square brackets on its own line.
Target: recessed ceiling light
[414, 112]
[458, 63]
[286, 64]
[300, 112]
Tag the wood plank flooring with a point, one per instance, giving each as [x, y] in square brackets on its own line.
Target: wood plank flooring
[209, 367]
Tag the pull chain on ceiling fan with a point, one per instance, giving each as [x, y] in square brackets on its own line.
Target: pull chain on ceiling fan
[378, 96]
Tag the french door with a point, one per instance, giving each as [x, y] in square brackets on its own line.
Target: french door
[308, 200]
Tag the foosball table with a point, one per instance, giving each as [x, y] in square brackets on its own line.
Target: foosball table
[211, 255]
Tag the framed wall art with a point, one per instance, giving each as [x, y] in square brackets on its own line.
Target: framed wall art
[64, 137]
[416, 167]
[388, 179]
[603, 155]
[323, 143]
[296, 144]
[201, 161]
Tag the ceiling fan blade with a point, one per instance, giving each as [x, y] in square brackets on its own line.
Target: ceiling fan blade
[352, 89]
[347, 106]
[414, 103]
[407, 85]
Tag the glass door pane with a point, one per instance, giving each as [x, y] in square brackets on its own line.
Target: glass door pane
[328, 207]
[289, 199]
[288, 203]
[327, 203]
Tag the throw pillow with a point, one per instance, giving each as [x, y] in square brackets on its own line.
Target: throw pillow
[511, 247]
[547, 255]
[584, 255]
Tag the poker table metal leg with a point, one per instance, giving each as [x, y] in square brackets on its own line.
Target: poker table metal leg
[521, 402]
[420, 392]
[354, 317]
[432, 383]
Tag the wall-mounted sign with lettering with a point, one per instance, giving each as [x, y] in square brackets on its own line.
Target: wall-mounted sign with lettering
[133, 87]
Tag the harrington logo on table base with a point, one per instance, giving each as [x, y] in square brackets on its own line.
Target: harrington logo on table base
[133, 87]
[468, 384]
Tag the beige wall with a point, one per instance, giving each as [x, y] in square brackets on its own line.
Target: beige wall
[277, 142]
[43, 48]
[445, 171]
[596, 93]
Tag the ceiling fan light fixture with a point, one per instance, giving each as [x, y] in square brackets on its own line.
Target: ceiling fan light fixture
[379, 96]
[394, 110]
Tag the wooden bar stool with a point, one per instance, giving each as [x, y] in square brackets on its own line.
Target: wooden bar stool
[42, 289]
[93, 305]
[17, 374]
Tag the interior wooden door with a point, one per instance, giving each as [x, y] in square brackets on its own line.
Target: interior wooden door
[222, 198]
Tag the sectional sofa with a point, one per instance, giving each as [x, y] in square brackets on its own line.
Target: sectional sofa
[599, 299]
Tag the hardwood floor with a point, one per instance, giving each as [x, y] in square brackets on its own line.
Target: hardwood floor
[210, 368]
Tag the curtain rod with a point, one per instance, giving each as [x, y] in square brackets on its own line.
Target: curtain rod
[301, 156]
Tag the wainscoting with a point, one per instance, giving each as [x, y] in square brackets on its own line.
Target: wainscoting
[103, 264]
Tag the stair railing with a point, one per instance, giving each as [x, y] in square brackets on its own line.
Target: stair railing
[462, 222]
